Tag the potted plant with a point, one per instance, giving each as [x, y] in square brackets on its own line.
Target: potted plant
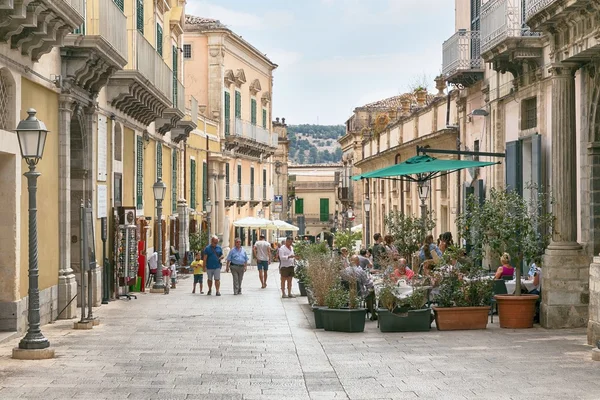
[464, 293]
[301, 274]
[342, 313]
[506, 222]
[322, 273]
[403, 315]
[407, 231]
[421, 94]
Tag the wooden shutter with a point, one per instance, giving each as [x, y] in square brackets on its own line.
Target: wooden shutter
[228, 113]
[480, 191]
[139, 13]
[158, 160]
[174, 183]
[513, 165]
[251, 183]
[238, 104]
[253, 111]
[204, 185]
[193, 184]
[264, 116]
[324, 210]
[139, 172]
[227, 190]
[159, 39]
[120, 4]
[299, 205]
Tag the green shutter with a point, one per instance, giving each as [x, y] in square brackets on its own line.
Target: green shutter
[120, 4]
[299, 206]
[204, 186]
[253, 111]
[158, 160]
[174, 182]
[264, 118]
[139, 13]
[227, 113]
[159, 39]
[324, 210]
[175, 74]
[193, 184]
[238, 104]
[139, 172]
[227, 190]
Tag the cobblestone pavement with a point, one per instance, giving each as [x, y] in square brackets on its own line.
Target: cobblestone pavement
[258, 346]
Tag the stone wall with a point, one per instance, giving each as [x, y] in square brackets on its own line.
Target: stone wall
[13, 315]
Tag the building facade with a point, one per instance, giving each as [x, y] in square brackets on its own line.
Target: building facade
[233, 83]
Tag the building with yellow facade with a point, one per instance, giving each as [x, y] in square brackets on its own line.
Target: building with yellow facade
[233, 83]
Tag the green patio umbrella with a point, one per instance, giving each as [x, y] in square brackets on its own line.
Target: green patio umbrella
[424, 167]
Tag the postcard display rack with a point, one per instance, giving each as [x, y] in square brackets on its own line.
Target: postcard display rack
[127, 258]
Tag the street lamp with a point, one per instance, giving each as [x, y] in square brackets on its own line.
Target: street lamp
[367, 204]
[423, 194]
[159, 188]
[208, 207]
[31, 134]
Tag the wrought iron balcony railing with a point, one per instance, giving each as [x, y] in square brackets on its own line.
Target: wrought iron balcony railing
[462, 52]
[502, 19]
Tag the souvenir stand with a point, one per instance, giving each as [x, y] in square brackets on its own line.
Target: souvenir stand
[126, 253]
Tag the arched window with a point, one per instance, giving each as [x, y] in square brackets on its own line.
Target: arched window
[7, 100]
[397, 159]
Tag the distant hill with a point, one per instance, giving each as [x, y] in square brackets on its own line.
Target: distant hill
[312, 144]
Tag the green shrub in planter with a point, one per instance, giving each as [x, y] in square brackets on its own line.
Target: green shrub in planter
[342, 314]
[409, 321]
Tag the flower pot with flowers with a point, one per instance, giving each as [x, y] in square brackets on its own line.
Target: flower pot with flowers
[509, 223]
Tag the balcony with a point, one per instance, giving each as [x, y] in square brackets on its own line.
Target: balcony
[246, 138]
[318, 219]
[239, 194]
[144, 88]
[462, 63]
[506, 42]
[573, 23]
[345, 194]
[267, 194]
[314, 186]
[91, 56]
[34, 28]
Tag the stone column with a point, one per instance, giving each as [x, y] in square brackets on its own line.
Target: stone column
[220, 201]
[565, 270]
[184, 227]
[67, 285]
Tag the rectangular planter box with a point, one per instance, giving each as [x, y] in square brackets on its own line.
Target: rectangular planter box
[344, 320]
[318, 318]
[461, 318]
[302, 288]
[412, 321]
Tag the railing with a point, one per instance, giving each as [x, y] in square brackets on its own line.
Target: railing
[227, 127]
[237, 192]
[180, 97]
[77, 5]
[461, 52]
[254, 132]
[152, 66]
[112, 25]
[535, 6]
[501, 19]
[315, 185]
[318, 218]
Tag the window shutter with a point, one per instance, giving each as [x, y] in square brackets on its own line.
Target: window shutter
[140, 174]
[238, 104]
[536, 160]
[159, 39]
[239, 174]
[228, 113]
[174, 183]
[227, 192]
[193, 184]
[264, 116]
[480, 191]
[299, 206]
[513, 166]
[175, 74]
[253, 111]
[139, 13]
[324, 210]
[158, 160]
[204, 186]
[120, 4]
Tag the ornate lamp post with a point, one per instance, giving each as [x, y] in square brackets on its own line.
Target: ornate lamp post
[32, 133]
[208, 207]
[159, 188]
[423, 194]
[367, 204]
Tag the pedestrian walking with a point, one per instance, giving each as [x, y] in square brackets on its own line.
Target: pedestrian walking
[262, 253]
[237, 261]
[198, 267]
[152, 267]
[173, 271]
[213, 254]
[286, 267]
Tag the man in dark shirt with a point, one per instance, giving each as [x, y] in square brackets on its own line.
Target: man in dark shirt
[378, 251]
[364, 261]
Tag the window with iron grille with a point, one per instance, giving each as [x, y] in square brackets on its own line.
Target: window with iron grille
[529, 113]
[139, 195]
[228, 113]
[193, 184]
[253, 111]
[6, 101]
[139, 15]
[158, 160]
[159, 39]
[187, 51]
[174, 183]
[204, 185]
[120, 4]
[175, 68]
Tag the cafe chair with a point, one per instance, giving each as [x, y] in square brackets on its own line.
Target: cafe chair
[507, 277]
[499, 287]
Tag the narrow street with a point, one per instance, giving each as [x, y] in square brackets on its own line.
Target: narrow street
[259, 346]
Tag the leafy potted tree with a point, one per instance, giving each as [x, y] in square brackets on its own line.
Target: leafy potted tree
[402, 315]
[507, 222]
[407, 231]
[343, 313]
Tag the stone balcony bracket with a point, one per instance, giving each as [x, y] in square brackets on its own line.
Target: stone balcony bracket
[35, 27]
[182, 130]
[169, 119]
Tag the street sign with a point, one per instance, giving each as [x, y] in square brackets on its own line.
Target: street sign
[278, 203]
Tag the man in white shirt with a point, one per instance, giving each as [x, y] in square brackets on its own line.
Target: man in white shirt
[262, 253]
[152, 267]
[286, 267]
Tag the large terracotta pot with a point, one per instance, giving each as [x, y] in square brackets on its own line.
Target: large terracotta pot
[459, 318]
[516, 312]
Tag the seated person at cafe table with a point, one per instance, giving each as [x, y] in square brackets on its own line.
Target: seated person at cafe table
[365, 283]
[401, 271]
[429, 250]
[505, 269]
[535, 275]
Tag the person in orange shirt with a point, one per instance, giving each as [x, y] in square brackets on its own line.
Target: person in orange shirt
[401, 271]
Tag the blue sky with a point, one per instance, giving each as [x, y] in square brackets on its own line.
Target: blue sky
[335, 55]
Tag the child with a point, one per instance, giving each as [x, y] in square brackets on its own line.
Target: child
[198, 267]
[173, 272]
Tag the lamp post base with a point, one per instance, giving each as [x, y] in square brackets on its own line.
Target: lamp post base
[157, 290]
[83, 325]
[34, 342]
[32, 354]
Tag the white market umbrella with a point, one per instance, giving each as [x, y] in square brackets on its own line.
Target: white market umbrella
[282, 226]
[357, 228]
[253, 222]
